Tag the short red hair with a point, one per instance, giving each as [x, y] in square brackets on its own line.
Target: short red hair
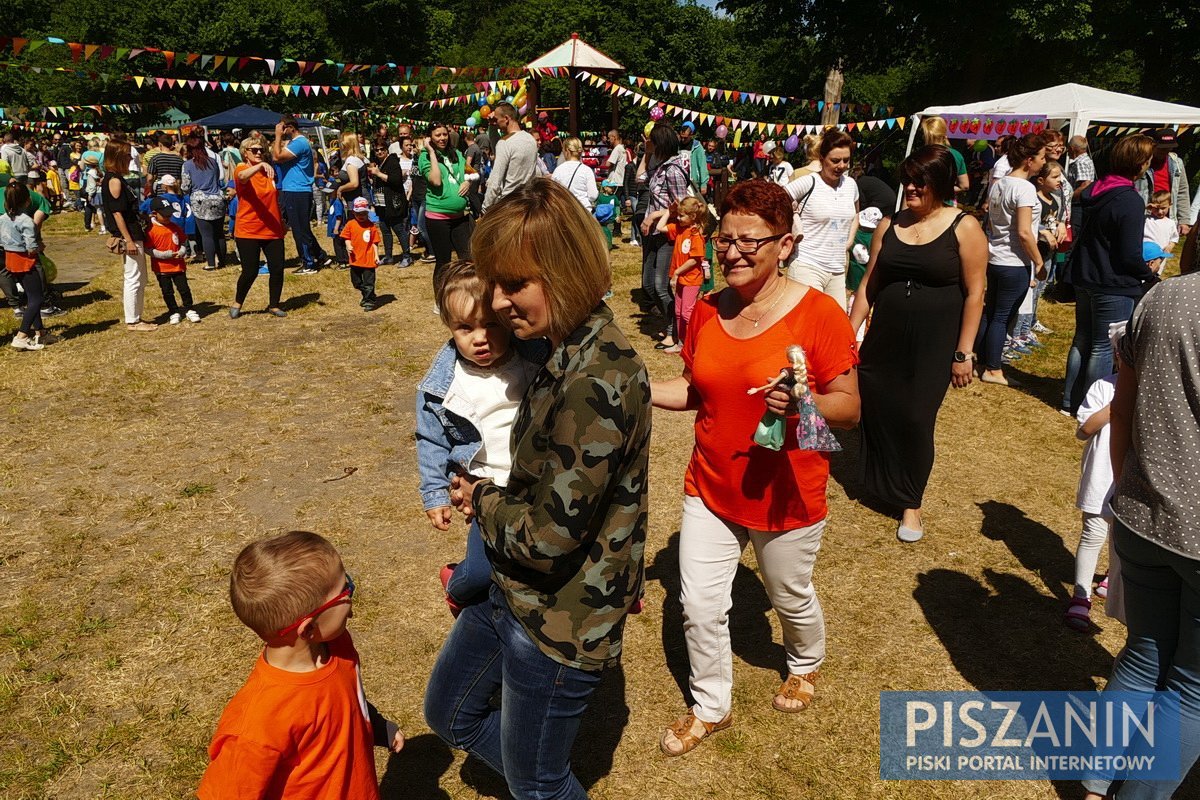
[762, 199]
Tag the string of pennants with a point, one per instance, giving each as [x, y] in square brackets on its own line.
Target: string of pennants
[49, 126]
[297, 89]
[887, 123]
[84, 52]
[442, 102]
[1121, 130]
[60, 111]
[739, 96]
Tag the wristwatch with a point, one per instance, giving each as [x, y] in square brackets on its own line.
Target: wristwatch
[960, 357]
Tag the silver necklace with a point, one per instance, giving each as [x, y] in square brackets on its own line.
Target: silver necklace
[761, 316]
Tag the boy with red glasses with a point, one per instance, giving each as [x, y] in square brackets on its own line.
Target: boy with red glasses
[301, 726]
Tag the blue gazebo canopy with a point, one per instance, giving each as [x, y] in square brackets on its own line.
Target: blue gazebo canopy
[247, 117]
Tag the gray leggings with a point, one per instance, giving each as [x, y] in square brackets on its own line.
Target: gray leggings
[656, 276]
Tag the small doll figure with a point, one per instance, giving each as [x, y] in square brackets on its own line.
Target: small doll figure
[812, 431]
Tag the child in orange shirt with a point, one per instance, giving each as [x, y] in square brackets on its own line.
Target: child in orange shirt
[301, 727]
[687, 262]
[362, 237]
[168, 247]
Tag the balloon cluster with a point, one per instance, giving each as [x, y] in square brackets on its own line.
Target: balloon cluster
[486, 102]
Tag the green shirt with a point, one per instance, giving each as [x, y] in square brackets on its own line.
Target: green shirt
[36, 202]
[567, 536]
[444, 199]
[960, 163]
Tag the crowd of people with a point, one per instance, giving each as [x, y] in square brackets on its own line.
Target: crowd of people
[533, 420]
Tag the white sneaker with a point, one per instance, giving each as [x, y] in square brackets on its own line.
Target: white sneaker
[192, 316]
[27, 343]
[175, 318]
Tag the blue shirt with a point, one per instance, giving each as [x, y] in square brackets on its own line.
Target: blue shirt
[297, 173]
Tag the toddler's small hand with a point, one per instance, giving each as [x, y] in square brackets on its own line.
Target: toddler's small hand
[397, 742]
[439, 517]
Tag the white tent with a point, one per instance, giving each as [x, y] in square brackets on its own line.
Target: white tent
[1075, 105]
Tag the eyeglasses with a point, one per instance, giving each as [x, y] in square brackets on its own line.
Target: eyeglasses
[346, 594]
[254, 149]
[745, 245]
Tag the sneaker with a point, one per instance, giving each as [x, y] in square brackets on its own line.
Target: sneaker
[306, 271]
[328, 261]
[1102, 588]
[1018, 347]
[1031, 340]
[385, 261]
[51, 311]
[1042, 329]
[264, 270]
[175, 318]
[429, 258]
[26, 343]
[673, 349]
[1066, 413]
[405, 262]
[18, 312]
[192, 316]
[368, 306]
[1079, 614]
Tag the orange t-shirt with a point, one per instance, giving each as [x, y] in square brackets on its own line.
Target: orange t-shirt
[18, 262]
[737, 479]
[258, 214]
[689, 243]
[295, 735]
[165, 237]
[362, 240]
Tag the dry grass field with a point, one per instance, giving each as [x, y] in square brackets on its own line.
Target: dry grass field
[133, 467]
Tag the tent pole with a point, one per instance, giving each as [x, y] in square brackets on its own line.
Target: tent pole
[914, 123]
[574, 119]
[616, 113]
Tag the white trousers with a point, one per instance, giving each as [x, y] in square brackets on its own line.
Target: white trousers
[1091, 541]
[135, 284]
[830, 283]
[709, 552]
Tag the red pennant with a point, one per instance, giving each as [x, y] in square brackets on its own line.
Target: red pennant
[242, 62]
[76, 49]
[18, 44]
[192, 58]
[170, 57]
[357, 90]
[107, 50]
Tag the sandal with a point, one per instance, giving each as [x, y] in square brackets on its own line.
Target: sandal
[681, 730]
[1102, 588]
[141, 326]
[796, 687]
[1079, 614]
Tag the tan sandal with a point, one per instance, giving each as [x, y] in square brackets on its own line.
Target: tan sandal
[681, 731]
[141, 325]
[796, 687]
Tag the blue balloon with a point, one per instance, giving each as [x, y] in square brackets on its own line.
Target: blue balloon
[470, 122]
[483, 101]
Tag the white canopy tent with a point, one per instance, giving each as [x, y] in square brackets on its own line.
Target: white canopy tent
[1075, 105]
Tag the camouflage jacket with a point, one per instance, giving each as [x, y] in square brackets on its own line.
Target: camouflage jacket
[567, 537]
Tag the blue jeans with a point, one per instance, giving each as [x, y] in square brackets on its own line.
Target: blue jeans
[297, 213]
[473, 575]
[656, 276]
[1162, 648]
[1006, 287]
[1090, 357]
[528, 738]
[418, 219]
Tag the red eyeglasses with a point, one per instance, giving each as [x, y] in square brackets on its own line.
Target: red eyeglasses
[346, 594]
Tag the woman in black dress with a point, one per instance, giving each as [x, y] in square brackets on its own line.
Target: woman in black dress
[925, 281]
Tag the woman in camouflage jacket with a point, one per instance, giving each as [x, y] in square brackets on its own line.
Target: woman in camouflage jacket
[566, 536]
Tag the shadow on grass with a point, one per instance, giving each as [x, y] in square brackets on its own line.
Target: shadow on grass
[383, 299]
[71, 302]
[1039, 549]
[414, 772]
[1010, 637]
[300, 301]
[750, 631]
[83, 329]
[1039, 387]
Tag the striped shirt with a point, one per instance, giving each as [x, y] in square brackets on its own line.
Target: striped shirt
[166, 164]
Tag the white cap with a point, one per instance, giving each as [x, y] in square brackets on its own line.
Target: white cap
[869, 218]
[166, 180]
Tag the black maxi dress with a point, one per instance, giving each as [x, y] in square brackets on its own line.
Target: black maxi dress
[905, 366]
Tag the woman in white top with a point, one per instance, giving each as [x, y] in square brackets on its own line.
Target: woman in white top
[354, 165]
[576, 176]
[826, 218]
[1013, 258]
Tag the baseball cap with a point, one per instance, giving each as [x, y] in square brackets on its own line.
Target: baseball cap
[34, 175]
[162, 205]
[1165, 137]
[360, 204]
[869, 218]
[166, 180]
[691, 126]
[1152, 251]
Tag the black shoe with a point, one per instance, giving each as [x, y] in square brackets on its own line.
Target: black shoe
[328, 262]
[306, 271]
[368, 306]
[385, 261]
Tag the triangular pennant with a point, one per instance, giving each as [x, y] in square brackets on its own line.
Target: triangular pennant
[218, 61]
[270, 65]
[139, 79]
[205, 60]
[224, 86]
[76, 49]
[170, 57]
[160, 82]
[900, 121]
[192, 58]
[242, 62]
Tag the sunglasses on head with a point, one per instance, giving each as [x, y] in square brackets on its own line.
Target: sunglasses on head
[347, 593]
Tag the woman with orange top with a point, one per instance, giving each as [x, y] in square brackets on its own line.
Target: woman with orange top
[737, 492]
[19, 240]
[258, 230]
